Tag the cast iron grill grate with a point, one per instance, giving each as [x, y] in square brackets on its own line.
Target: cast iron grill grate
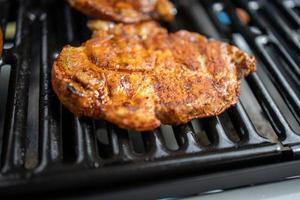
[46, 148]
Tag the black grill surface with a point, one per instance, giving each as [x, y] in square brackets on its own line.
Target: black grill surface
[45, 150]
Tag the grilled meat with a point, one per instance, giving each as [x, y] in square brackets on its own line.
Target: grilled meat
[139, 76]
[126, 11]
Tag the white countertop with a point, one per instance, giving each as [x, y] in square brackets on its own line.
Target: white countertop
[285, 190]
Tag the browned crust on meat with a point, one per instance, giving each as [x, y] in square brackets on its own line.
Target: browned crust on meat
[126, 11]
[139, 76]
[96, 98]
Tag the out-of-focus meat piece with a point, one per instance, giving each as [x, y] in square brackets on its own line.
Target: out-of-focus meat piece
[139, 76]
[126, 11]
[244, 17]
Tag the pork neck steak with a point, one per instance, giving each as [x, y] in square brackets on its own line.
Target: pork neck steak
[139, 76]
[126, 11]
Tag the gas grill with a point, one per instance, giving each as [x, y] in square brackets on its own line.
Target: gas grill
[46, 151]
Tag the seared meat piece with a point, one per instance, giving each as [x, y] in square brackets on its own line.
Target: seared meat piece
[139, 76]
[126, 11]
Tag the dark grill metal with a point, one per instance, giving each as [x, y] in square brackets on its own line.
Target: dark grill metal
[46, 149]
